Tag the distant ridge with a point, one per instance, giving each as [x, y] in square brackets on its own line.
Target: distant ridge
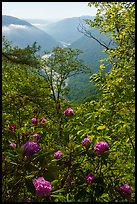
[22, 33]
[7, 20]
[66, 29]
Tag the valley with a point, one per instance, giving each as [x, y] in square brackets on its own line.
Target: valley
[63, 33]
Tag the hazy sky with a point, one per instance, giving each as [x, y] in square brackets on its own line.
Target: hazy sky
[47, 10]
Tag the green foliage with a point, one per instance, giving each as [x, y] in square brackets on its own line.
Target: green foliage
[27, 93]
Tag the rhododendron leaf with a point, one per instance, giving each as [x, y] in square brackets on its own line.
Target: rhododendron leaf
[58, 191]
[101, 127]
[57, 196]
[79, 132]
[12, 155]
[13, 163]
[29, 176]
[54, 182]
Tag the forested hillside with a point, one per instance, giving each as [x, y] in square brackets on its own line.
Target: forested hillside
[55, 150]
[81, 89]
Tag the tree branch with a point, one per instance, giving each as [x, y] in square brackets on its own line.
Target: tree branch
[15, 59]
[81, 28]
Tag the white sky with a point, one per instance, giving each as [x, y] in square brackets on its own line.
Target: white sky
[47, 10]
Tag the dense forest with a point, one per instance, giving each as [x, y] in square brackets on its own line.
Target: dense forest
[58, 150]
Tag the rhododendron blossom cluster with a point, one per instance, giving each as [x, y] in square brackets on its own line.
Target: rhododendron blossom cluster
[30, 148]
[101, 147]
[125, 190]
[43, 187]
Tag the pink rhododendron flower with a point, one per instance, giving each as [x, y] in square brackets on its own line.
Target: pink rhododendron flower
[34, 121]
[68, 112]
[89, 178]
[101, 147]
[30, 148]
[86, 141]
[42, 187]
[12, 127]
[12, 144]
[43, 120]
[125, 190]
[58, 154]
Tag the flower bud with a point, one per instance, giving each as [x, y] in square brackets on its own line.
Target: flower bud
[34, 121]
[43, 120]
[68, 112]
[12, 127]
[58, 154]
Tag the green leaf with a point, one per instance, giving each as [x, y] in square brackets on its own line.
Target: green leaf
[57, 196]
[101, 127]
[53, 183]
[102, 66]
[13, 163]
[58, 191]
